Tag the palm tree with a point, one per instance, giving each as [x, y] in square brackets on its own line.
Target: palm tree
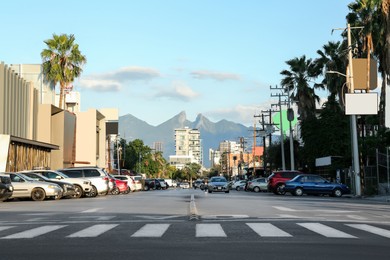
[333, 57]
[375, 38]
[62, 61]
[301, 72]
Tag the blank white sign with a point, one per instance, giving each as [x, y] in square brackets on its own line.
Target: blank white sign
[361, 103]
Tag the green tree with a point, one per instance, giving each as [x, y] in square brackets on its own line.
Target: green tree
[62, 61]
[333, 57]
[302, 72]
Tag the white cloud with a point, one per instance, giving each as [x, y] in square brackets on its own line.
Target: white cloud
[179, 91]
[113, 81]
[100, 84]
[241, 113]
[219, 76]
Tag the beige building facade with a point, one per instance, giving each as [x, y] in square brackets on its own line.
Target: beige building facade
[35, 133]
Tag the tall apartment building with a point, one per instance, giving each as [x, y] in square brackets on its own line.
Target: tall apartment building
[188, 147]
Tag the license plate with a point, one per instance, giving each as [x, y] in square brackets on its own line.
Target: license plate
[219, 188]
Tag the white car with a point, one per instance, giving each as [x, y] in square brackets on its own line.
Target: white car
[82, 186]
[239, 185]
[184, 185]
[25, 187]
[135, 185]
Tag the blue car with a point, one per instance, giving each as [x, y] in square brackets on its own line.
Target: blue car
[315, 184]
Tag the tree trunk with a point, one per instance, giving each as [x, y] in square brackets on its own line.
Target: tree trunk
[62, 88]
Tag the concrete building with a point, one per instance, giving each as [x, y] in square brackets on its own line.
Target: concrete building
[35, 133]
[187, 146]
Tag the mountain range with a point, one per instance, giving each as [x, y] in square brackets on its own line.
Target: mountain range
[211, 133]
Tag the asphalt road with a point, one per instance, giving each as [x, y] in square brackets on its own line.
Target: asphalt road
[191, 224]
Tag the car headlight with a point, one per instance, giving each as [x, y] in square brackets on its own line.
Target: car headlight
[54, 186]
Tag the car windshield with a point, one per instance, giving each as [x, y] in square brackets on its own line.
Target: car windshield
[62, 174]
[219, 179]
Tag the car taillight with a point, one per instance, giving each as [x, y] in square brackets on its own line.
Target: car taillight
[105, 178]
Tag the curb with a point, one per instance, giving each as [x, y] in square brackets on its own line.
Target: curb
[193, 211]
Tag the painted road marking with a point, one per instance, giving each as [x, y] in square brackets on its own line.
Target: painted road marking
[151, 230]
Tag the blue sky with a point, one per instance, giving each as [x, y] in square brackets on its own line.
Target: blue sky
[156, 58]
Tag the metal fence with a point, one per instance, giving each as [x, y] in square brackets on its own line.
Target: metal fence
[383, 172]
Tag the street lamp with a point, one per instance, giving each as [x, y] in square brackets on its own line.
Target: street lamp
[355, 148]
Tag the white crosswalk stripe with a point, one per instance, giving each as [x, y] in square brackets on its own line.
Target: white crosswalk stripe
[267, 230]
[151, 230]
[374, 230]
[34, 232]
[6, 227]
[202, 230]
[209, 230]
[325, 230]
[93, 231]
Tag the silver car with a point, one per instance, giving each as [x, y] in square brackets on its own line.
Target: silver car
[25, 187]
[82, 186]
[218, 184]
[259, 184]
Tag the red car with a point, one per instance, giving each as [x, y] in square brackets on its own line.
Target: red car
[277, 180]
[120, 187]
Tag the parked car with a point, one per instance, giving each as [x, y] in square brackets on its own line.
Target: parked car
[218, 183]
[130, 181]
[138, 182]
[258, 184]
[98, 177]
[6, 188]
[25, 187]
[239, 185]
[82, 186]
[276, 181]
[149, 184]
[161, 184]
[184, 185]
[121, 186]
[68, 189]
[315, 184]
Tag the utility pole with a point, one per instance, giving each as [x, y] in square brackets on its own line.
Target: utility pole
[279, 104]
[353, 119]
[354, 136]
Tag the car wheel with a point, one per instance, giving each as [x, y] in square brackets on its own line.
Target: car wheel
[238, 188]
[38, 194]
[298, 192]
[78, 192]
[57, 197]
[115, 191]
[337, 193]
[146, 188]
[280, 189]
[256, 189]
[210, 191]
[93, 192]
[127, 191]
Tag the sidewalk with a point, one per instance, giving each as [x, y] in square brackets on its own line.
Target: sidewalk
[379, 198]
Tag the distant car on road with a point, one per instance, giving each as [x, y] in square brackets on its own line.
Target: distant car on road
[315, 184]
[218, 184]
